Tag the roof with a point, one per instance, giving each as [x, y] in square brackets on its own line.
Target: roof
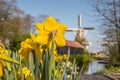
[73, 44]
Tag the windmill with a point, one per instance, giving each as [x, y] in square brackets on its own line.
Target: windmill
[80, 32]
[75, 46]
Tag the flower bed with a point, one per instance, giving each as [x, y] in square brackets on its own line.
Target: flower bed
[37, 58]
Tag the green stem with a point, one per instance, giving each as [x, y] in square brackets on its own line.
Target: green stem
[37, 70]
[45, 66]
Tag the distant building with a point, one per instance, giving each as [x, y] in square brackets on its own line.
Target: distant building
[74, 46]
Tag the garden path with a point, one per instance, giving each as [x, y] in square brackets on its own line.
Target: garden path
[95, 77]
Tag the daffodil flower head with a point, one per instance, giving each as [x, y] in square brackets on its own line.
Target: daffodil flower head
[27, 44]
[26, 72]
[46, 28]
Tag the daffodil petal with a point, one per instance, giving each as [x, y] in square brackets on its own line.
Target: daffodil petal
[26, 72]
[40, 26]
[42, 37]
[27, 44]
[61, 28]
[60, 40]
[50, 24]
[33, 37]
[1, 69]
[24, 53]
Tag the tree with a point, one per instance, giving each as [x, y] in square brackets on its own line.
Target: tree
[8, 10]
[41, 18]
[7, 21]
[27, 23]
[14, 23]
[109, 12]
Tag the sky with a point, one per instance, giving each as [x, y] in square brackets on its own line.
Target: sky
[67, 12]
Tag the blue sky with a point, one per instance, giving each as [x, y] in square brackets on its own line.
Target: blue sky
[67, 12]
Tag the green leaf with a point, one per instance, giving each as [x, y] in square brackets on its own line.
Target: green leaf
[37, 69]
[1, 78]
[8, 66]
[6, 73]
[72, 72]
[66, 64]
[51, 63]
[31, 63]
[80, 72]
[14, 72]
[20, 67]
[45, 66]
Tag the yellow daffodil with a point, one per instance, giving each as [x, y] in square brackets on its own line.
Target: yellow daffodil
[1, 68]
[33, 37]
[50, 25]
[27, 46]
[24, 53]
[60, 57]
[60, 40]
[41, 61]
[65, 56]
[3, 50]
[56, 58]
[4, 57]
[26, 72]
[42, 37]
[39, 51]
[28, 43]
